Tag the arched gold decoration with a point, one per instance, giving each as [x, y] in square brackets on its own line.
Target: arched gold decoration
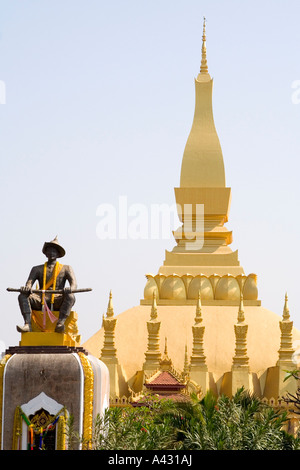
[150, 287]
[214, 279]
[228, 288]
[250, 291]
[185, 287]
[173, 288]
[203, 285]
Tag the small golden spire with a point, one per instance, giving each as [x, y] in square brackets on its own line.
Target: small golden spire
[165, 362]
[110, 309]
[198, 317]
[286, 311]
[166, 347]
[241, 313]
[186, 367]
[153, 314]
[204, 67]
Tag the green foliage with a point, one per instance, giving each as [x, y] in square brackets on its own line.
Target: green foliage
[240, 423]
[135, 428]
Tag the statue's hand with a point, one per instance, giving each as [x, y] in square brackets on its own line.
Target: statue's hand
[67, 290]
[26, 291]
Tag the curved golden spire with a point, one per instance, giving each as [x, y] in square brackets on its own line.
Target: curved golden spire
[202, 163]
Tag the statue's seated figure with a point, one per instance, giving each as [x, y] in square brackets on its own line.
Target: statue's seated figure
[50, 276]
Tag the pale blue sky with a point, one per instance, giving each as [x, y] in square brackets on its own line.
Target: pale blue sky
[99, 103]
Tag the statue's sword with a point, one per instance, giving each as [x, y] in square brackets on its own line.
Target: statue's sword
[49, 291]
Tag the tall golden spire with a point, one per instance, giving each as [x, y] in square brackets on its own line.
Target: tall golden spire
[202, 164]
[202, 200]
[204, 67]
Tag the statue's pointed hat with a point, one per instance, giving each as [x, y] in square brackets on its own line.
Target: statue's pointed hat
[55, 243]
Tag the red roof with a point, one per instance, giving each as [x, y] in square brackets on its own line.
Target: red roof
[163, 382]
[164, 378]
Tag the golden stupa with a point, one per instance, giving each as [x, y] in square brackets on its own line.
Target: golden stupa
[219, 335]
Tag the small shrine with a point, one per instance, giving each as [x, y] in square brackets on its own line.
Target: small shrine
[164, 384]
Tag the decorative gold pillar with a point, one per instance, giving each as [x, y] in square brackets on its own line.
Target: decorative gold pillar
[152, 354]
[285, 354]
[240, 372]
[240, 358]
[198, 367]
[277, 384]
[286, 350]
[109, 351]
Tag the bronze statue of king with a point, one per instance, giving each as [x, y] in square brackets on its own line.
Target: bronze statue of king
[50, 276]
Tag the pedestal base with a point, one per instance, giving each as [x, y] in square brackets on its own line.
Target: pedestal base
[46, 339]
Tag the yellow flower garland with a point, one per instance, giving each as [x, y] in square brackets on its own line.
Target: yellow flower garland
[54, 277]
[88, 400]
[17, 429]
[2, 367]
